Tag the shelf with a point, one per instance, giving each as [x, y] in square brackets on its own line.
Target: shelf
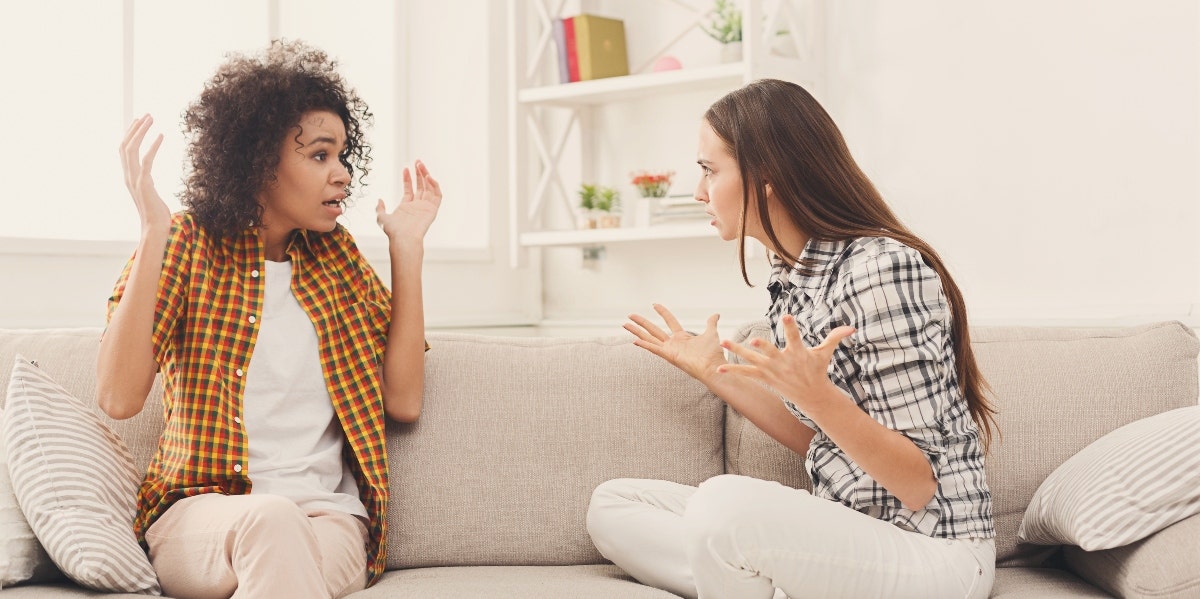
[614, 89]
[581, 237]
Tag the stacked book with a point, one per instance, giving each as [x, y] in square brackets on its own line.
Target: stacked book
[590, 47]
[675, 208]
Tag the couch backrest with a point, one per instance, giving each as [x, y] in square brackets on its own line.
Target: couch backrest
[1057, 390]
[517, 432]
[514, 436]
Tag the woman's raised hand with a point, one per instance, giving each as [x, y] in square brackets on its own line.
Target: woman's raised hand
[151, 208]
[417, 209]
[795, 372]
[698, 355]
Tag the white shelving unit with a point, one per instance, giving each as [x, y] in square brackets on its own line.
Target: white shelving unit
[537, 99]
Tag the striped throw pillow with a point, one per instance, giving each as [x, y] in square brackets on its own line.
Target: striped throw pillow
[75, 481]
[22, 559]
[1125, 486]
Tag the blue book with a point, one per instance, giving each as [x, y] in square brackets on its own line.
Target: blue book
[560, 41]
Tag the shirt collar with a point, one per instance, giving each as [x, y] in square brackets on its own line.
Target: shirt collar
[819, 255]
[302, 239]
[251, 240]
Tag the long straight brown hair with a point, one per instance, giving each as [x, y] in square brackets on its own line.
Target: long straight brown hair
[780, 135]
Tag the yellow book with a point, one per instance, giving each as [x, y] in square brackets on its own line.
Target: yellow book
[600, 47]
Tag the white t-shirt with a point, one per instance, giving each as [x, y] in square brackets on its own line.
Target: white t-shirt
[293, 435]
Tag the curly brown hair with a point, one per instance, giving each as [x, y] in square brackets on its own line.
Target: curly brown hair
[236, 125]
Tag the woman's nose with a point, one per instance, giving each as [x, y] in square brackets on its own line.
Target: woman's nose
[341, 175]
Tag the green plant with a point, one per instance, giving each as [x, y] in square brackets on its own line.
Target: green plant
[609, 200]
[726, 25]
[588, 196]
[598, 198]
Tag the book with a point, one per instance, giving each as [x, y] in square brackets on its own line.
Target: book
[600, 47]
[560, 42]
[570, 42]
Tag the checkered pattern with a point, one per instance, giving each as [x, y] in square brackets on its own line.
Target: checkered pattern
[209, 303]
[899, 367]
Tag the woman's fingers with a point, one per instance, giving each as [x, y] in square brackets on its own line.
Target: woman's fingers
[741, 370]
[148, 159]
[672, 322]
[833, 339]
[129, 150]
[791, 332]
[640, 333]
[748, 355]
[435, 190]
[653, 348]
[408, 186]
[650, 327]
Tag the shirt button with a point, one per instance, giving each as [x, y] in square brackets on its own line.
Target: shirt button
[254, 273]
[239, 372]
[237, 467]
[237, 420]
[252, 319]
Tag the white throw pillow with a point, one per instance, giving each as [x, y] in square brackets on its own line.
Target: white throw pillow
[22, 558]
[1125, 486]
[75, 481]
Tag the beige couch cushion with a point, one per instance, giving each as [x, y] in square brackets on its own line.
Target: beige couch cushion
[515, 435]
[1058, 389]
[1162, 566]
[509, 582]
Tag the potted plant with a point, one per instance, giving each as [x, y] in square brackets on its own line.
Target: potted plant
[588, 196]
[608, 204]
[726, 28]
[599, 206]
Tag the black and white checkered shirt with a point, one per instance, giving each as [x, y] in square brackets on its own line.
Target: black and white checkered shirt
[899, 367]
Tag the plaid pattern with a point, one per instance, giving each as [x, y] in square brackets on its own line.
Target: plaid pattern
[209, 296]
[899, 367]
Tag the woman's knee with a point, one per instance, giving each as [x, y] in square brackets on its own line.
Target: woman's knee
[605, 496]
[731, 502]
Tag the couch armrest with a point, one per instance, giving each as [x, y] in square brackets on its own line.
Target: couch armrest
[1162, 566]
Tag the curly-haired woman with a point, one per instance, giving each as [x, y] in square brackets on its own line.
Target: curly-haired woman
[279, 347]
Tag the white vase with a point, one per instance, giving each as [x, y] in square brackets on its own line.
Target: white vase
[731, 52]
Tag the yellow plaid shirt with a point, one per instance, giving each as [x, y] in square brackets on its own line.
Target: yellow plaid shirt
[209, 303]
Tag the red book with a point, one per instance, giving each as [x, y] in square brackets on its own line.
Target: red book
[572, 53]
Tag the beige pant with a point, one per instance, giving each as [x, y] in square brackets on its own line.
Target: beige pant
[256, 546]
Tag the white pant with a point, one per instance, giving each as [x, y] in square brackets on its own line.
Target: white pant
[737, 537]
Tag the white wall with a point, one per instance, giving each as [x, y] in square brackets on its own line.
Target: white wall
[69, 224]
[1049, 150]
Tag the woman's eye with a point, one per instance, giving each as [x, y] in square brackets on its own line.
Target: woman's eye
[320, 156]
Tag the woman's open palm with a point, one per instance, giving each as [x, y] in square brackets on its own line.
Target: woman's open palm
[796, 371]
[698, 355]
[150, 206]
[417, 209]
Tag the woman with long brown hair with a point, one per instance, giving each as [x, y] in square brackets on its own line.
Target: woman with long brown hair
[870, 377]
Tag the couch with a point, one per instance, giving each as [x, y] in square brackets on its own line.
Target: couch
[490, 486]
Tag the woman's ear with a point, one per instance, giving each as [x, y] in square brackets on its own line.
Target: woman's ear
[770, 190]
